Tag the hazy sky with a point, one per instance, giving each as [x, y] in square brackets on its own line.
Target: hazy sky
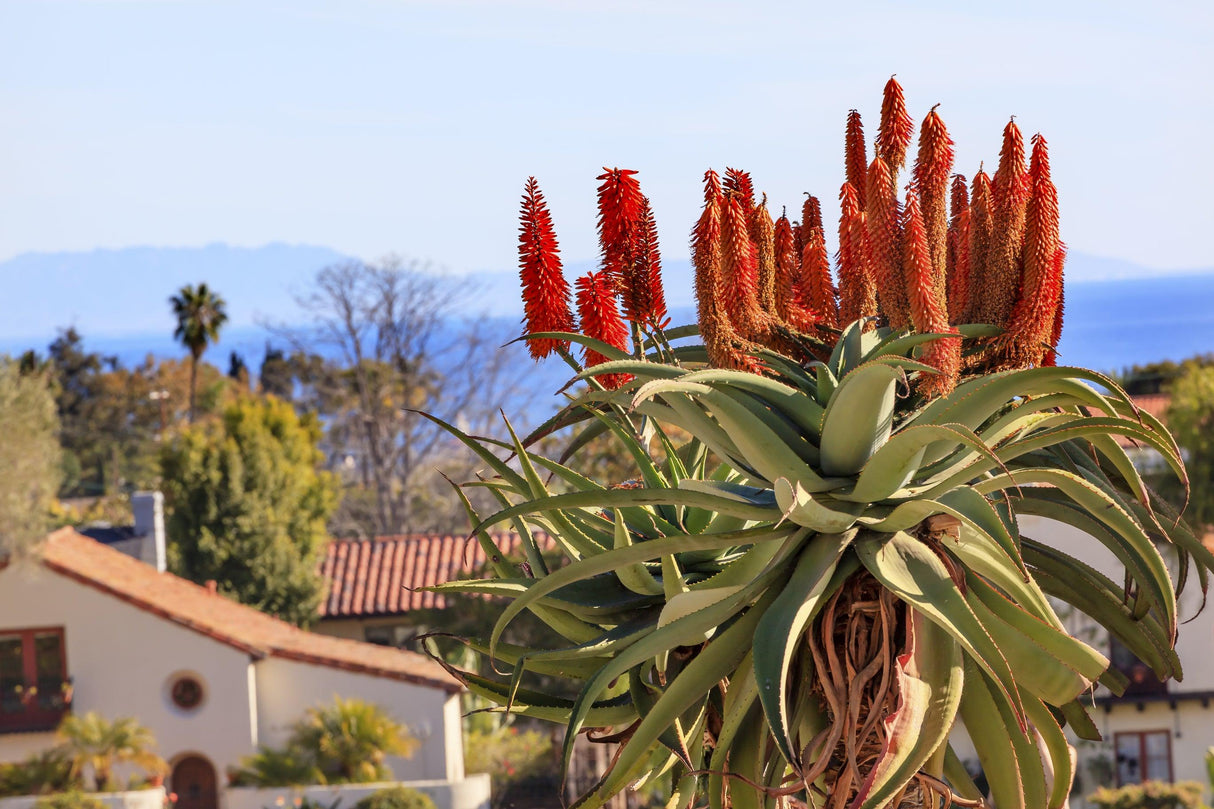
[385, 125]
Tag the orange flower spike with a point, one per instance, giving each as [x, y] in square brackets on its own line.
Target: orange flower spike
[857, 293]
[738, 292]
[720, 340]
[958, 268]
[738, 182]
[706, 248]
[927, 304]
[933, 166]
[897, 128]
[1032, 321]
[1051, 356]
[855, 155]
[811, 217]
[883, 238]
[981, 227]
[927, 308]
[788, 265]
[649, 268]
[763, 234]
[620, 202]
[1010, 201]
[601, 320]
[545, 290]
[817, 292]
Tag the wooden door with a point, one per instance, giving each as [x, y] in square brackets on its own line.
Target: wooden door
[193, 780]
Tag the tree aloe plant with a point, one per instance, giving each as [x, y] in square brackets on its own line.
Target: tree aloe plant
[805, 599]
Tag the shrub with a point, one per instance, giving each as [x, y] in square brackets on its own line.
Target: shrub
[509, 756]
[69, 800]
[1149, 795]
[38, 774]
[396, 798]
[342, 743]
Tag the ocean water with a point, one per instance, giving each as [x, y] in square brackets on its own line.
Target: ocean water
[1111, 325]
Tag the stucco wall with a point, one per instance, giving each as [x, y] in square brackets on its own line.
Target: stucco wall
[286, 688]
[469, 793]
[121, 659]
[138, 799]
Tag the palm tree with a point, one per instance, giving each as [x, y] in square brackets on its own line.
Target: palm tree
[200, 314]
[91, 740]
[349, 740]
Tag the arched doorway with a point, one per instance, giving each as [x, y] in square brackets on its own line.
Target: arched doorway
[193, 780]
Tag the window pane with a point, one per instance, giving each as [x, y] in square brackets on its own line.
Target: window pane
[12, 674]
[48, 655]
[1129, 768]
[1159, 759]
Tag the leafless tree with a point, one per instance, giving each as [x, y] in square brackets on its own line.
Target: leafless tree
[388, 341]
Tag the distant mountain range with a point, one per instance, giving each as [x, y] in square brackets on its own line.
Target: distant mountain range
[1118, 313]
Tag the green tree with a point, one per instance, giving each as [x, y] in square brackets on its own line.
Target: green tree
[200, 314]
[29, 456]
[1190, 418]
[247, 505]
[93, 741]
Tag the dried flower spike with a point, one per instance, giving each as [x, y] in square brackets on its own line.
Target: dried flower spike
[645, 284]
[545, 290]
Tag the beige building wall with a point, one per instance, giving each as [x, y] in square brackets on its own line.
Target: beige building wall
[123, 659]
[285, 688]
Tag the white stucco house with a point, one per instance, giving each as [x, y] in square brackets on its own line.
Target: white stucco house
[211, 678]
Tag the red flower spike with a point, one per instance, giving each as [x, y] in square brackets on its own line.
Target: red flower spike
[1032, 322]
[763, 234]
[601, 320]
[981, 227]
[620, 204]
[1010, 200]
[712, 186]
[817, 293]
[958, 268]
[933, 166]
[738, 182]
[739, 287]
[855, 155]
[645, 285]
[896, 130]
[545, 290]
[857, 292]
[883, 237]
[788, 266]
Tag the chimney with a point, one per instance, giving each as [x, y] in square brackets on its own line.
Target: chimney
[148, 508]
[212, 586]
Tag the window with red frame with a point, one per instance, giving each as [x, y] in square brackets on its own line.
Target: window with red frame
[34, 688]
[1143, 756]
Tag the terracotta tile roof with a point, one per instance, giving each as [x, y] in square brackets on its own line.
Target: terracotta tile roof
[382, 576]
[183, 602]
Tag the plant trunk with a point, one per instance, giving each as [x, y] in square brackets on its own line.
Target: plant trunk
[193, 382]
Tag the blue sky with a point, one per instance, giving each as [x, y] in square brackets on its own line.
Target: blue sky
[372, 126]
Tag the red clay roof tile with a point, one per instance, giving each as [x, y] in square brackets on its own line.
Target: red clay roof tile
[175, 599]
